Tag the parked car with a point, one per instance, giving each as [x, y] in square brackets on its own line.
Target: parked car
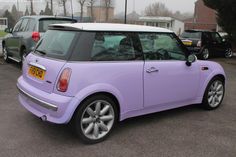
[94, 75]
[206, 44]
[27, 32]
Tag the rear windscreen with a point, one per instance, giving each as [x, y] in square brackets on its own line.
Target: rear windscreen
[44, 23]
[191, 35]
[56, 44]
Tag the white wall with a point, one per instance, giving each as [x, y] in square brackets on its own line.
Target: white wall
[178, 27]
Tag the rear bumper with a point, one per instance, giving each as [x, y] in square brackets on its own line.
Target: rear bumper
[56, 108]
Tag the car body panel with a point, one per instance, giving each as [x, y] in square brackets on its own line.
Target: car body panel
[177, 76]
[138, 89]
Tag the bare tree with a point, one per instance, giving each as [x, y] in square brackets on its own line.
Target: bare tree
[32, 8]
[91, 5]
[107, 5]
[63, 3]
[81, 3]
[157, 9]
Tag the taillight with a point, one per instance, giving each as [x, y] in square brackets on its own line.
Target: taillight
[199, 43]
[36, 36]
[64, 80]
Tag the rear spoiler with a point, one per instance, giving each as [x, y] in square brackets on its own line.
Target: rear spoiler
[66, 28]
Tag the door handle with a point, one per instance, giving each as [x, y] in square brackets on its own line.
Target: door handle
[151, 70]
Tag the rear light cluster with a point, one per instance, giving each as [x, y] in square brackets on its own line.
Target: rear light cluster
[63, 82]
[199, 43]
[35, 36]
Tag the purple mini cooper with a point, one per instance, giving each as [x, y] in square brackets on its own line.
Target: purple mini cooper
[94, 75]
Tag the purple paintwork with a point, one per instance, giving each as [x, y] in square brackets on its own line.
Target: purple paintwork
[138, 92]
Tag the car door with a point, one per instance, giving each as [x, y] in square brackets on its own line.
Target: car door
[167, 78]
[19, 38]
[218, 46]
[11, 43]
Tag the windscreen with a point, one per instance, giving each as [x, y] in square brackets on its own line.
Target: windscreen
[191, 35]
[56, 44]
[44, 23]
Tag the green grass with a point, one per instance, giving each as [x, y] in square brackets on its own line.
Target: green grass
[2, 33]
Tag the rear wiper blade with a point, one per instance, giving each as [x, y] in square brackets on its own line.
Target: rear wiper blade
[42, 52]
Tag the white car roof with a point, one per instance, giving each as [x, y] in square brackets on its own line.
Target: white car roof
[113, 27]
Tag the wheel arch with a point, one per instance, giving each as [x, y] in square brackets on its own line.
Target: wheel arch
[221, 76]
[108, 94]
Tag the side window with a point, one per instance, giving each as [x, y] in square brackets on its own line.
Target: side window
[17, 26]
[110, 46]
[31, 25]
[23, 25]
[161, 47]
[216, 37]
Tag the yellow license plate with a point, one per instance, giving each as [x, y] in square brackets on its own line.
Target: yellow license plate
[36, 72]
[187, 43]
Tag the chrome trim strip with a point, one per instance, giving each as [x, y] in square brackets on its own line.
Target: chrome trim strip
[38, 101]
[37, 65]
[14, 59]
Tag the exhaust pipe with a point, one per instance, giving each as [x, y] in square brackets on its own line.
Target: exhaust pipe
[44, 118]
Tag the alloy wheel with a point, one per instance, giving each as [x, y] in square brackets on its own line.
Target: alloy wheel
[97, 119]
[215, 93]
[205, 54]
[229, 53]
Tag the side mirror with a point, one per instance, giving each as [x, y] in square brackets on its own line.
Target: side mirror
[191, 59]
[8, 30]
[223, 40]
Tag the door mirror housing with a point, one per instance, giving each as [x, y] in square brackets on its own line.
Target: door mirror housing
[191, 59]
[8, 30]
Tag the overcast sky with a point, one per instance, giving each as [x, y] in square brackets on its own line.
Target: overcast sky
[138, 5]
[174, 5]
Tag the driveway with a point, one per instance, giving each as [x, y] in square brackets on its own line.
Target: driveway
[185, 132]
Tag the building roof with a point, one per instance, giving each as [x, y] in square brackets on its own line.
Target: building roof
[156, 19]
[46, 16]
[112, 27]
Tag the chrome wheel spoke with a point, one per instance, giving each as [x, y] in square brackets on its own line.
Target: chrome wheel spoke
[104, 110]
[106, 118]
[95, 130]
[210, 99]
[102, 126]
[219, 87]
[90, 112]
[220, 93]
[87, 120]
[89, 128]
[98, 108]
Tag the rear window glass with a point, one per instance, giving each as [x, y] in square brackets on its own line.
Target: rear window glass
[56, 44]
[43, 24]
[191, 35]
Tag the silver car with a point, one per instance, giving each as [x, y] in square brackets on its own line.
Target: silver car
[27, 32]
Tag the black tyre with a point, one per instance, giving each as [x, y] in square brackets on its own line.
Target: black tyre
[205, 54]
[5, 54]
[95, 118]
[214, 94]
